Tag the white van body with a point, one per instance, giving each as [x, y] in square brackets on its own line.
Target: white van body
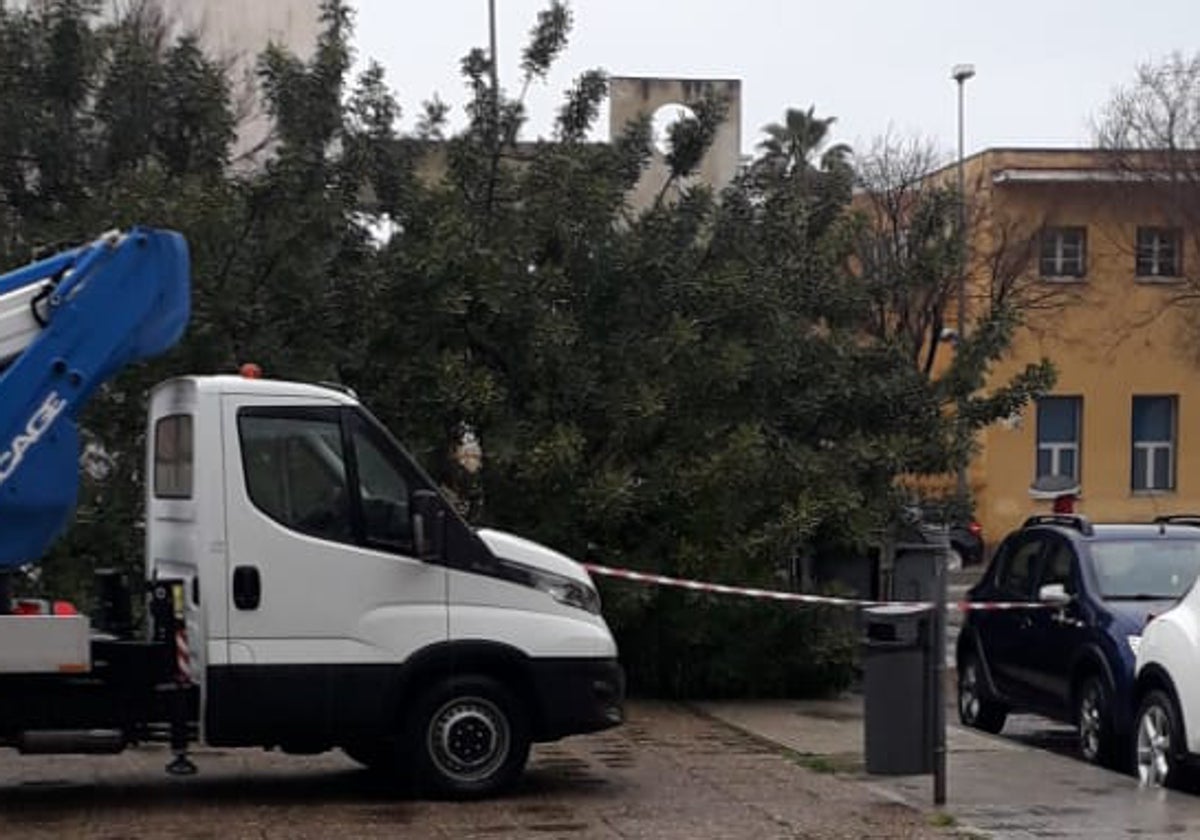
[330, 588]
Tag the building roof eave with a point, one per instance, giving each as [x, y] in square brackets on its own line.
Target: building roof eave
[1014, 175]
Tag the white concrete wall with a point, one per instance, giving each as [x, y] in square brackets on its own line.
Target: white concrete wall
[237, 31]
[632, 96]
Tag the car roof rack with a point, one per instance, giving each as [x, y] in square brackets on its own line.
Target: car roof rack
[1076, 521]
[1178, 519]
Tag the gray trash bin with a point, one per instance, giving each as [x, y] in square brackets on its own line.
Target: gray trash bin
[898, 690]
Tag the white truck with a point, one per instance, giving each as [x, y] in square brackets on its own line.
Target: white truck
[309, 587]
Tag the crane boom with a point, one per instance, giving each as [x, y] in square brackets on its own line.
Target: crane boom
[68, 324]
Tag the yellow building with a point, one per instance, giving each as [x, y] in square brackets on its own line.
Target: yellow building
[1099, 259]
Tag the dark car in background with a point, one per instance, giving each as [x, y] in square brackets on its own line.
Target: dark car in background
[966, 544]
[964, 532]
[1070, 654]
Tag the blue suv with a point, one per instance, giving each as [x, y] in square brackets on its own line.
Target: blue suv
[1070, 654]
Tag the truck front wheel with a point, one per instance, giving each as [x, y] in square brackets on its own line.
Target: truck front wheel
[469, 737]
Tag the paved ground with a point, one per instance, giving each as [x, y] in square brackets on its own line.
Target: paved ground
[669, 773]
[1024, 783]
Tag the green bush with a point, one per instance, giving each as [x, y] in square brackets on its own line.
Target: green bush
[681, 644]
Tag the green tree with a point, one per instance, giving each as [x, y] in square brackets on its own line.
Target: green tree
[1150, 128]
[689, 387]
[111, 124]
[908, 259]
[693, 387]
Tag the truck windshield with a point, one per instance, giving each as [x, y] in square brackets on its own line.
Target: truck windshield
[1146, 569]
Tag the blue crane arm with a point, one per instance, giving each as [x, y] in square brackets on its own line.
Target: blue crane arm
[83, 315]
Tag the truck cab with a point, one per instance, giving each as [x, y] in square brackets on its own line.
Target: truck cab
[334, 598]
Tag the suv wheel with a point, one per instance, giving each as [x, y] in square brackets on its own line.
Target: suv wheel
[1094, 718]
[1157, 743]
[975, 709]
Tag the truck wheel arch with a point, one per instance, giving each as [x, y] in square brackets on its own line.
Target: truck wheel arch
[503, 663]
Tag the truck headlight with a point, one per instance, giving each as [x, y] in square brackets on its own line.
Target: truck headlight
[567, 591]
[1134, 643]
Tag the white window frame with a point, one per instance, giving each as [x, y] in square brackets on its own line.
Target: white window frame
[1058, 236]
[1160, 236]
[1056, 451]
[1152, 447]
[1057, 448]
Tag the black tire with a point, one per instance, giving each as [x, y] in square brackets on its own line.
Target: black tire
[1158, 745]
[468, 737]
[975, 708]
[1093, 718]
[382, 756]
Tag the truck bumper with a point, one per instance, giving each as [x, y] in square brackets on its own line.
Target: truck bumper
[577, 696]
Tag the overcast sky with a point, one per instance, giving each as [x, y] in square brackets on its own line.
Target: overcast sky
[1044, 67]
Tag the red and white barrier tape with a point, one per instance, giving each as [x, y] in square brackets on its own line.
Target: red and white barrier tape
[183, 657]
[799, 597]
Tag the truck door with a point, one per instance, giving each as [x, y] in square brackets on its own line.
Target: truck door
[324, 600]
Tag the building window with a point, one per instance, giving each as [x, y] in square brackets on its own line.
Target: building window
[1158, 252]
[1058, 436]
[1064, 252]
[1154, 429]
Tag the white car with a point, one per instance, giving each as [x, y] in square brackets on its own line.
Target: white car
[1166, 735]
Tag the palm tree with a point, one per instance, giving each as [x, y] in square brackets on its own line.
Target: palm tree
[790, 146]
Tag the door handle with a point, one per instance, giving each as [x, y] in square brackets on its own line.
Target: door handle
[247, 588]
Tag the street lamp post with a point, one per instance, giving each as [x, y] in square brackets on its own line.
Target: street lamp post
[491, 43]
[960, 73]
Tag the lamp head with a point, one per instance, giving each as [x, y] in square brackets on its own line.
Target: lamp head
[961, 72]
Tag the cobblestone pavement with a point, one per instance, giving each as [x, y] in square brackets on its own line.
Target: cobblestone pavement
[668, 773]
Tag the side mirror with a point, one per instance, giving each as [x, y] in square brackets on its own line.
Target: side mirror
[1054, 593]
[428, 525]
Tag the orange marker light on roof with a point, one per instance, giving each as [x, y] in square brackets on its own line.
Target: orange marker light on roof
[251, 371]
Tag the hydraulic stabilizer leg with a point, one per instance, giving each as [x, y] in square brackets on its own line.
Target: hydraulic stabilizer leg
[170, 630]
[181, 764]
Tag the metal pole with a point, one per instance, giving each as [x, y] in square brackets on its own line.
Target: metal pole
[962, 263]
[939, 671]
[495, 59]
[962, 220]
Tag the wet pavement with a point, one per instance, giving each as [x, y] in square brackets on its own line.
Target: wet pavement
[668, 773]
[1025, 783]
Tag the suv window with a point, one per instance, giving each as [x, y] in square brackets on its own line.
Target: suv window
[1015, 577]
[295, 472]
[1059, 566]
[1135, 569]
